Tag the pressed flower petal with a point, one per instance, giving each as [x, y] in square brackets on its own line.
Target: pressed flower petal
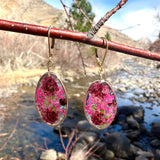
[100, 105]
[50, 96]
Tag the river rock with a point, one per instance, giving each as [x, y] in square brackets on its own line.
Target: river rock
[141, 158]
[119, 144]
[138, 92]
[109, 155]
[148, 154]
[78, 155]
[121, 119]
[135, 149]
[133, 134]
[101, 148]
[66, 131]
[155, 143]
[155, 130]
[132, 123]
[122, 89]
[49, 155]
[84, 125]
[79, 151]
[92, 158]
[137, 112]
[158, 153]
[89, 137]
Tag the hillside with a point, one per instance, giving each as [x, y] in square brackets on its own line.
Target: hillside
[39, 12]
[29, 11]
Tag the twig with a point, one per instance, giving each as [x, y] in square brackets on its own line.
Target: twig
[61, 138]
[101, 22]
[10, 135]
[78, 46]
[89, 151]
[45, 144]
[83, 12]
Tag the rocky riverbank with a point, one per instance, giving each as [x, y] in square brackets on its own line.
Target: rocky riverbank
[134, 134]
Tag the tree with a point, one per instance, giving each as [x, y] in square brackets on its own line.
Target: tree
[79, 21]
[108, 36]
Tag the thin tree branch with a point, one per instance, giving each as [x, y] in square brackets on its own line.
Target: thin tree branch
[101, 22]
[75, 36]
[83, 12]
[14, 130]
[61, 138]
[78, 46]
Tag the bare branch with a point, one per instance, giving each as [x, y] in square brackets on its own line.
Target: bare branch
[78, 46]
[60, 133]
[101, 22]
[38, 30]
[64, 6]
[83, 12]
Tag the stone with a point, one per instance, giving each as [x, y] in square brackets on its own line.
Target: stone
[155, 143]
[137, 112]
[145, 154]
[119, 144]
[132, 123]
[155, 130]
[49, 155]
[79, 154]
[101, 148]
[79, 146]
[79, 151]
[61, 155]
[109, 155]
[125, 126]
[138, 91]
[66, 131]
[92, 158]
[141, 158]
[133, 135]
[143, 129]
[139, 145]
[135, 149]
[122, 89]
[84, 125]
[121, 119]
[158, 153]
[89, 137]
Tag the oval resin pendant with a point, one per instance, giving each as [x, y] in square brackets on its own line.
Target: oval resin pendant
[51, 99]
[100, 105]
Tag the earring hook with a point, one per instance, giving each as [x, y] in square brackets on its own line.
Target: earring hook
[50, 46]
[98, 61]
[100, 64]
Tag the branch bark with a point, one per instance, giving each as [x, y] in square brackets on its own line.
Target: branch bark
[83, 12]
[75, 36]
[101, 22]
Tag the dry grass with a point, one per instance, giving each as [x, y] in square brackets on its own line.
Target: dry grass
[23, 58]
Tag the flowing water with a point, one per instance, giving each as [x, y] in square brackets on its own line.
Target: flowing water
[32, 134]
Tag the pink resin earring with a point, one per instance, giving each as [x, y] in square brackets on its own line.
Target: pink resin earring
[100, 104]
[50, 96]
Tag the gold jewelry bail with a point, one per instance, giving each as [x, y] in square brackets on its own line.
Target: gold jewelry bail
[50, 46]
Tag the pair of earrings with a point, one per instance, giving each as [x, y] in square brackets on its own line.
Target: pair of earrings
[100, 104]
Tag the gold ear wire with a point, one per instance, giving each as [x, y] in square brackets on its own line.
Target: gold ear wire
[50, 46]
[100, 63]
